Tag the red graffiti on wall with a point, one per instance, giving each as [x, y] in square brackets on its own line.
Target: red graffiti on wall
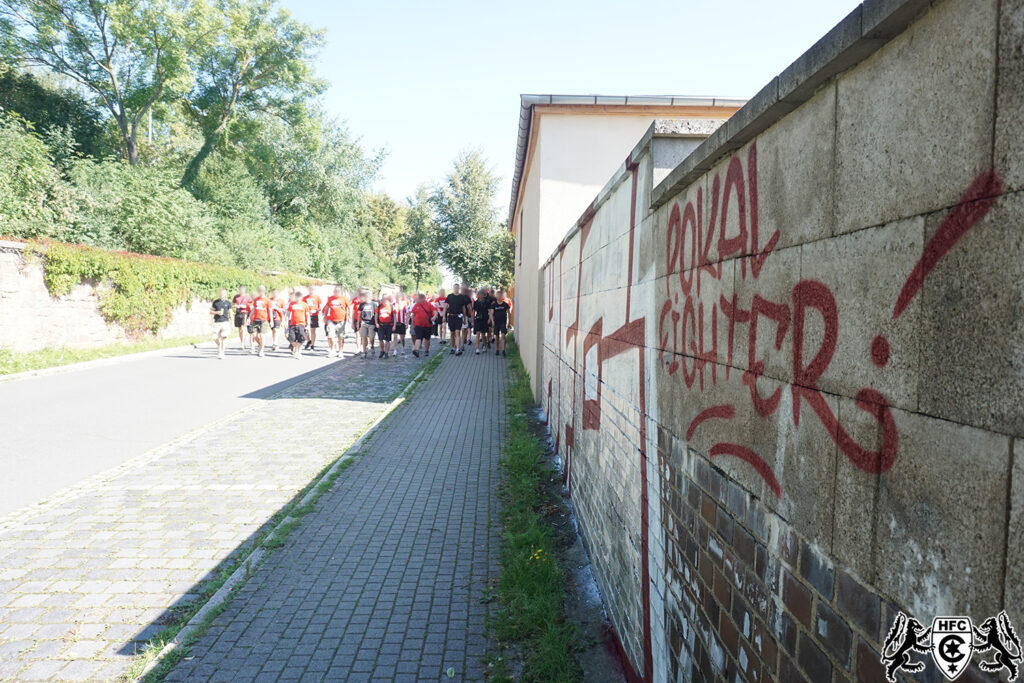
[688, 326]
[695, 254]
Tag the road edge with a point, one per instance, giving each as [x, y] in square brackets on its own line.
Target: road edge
[196, 626]
[97, 363]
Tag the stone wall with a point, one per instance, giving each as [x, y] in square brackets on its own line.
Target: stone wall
[31, 319]
[787, 381]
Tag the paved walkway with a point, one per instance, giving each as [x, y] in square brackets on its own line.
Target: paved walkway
[88, 575]
[384, 580]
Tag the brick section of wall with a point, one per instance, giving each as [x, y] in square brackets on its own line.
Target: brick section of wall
[760, 603]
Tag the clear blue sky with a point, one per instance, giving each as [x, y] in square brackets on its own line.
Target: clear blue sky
[425, 80]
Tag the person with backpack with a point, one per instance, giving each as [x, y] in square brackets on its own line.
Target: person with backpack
[385, 321]
[366, 317]
[422, 315]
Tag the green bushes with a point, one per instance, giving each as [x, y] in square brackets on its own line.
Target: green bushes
[143, 291]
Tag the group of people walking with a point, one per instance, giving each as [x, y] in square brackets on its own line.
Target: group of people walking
[481, 318]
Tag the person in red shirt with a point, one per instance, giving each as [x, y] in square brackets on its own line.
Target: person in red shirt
[385, 321]
[298, 318]
[276, 316]
[241, 303]
[401, 321]
[259, 317]
[314, 303]
[423, 315]
[335, 322]
[439, 303]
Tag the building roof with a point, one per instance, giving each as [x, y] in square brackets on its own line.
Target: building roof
[605, 104]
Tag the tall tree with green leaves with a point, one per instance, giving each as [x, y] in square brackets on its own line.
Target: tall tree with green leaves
[129, 54]
[259, 62]
[418, 250]
[54, 110]
[466, 218]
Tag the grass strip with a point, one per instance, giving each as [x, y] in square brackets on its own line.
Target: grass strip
[532, 584]
[24, 361]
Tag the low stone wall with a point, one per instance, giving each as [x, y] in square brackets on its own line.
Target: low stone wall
[31, 319]
[787, 381]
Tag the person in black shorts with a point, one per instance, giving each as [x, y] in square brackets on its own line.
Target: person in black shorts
[241, 303]
[481, 319]
[220, 309]
[457, 305]
[499, 314]
[366, 318]
[421, 315]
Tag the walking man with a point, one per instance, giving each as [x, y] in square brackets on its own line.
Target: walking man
[401, 321]
[276, 317]
[500, 312]
[455, 306]
[313, 303]
[336, 320]
[241, 302]
[422, 314]
[298, 318]
[385, 320]
[260, 317]
[366, 315]
[481, 319]
[439, 316]
[220, 309]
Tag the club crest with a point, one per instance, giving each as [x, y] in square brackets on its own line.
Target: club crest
[952, 641]
[952, 644]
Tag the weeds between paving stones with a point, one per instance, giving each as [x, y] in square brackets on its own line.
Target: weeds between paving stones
[531, 588]
[272, 535]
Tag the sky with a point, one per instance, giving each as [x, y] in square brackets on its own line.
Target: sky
[427, 80]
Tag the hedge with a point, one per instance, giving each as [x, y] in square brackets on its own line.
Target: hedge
[142, 291]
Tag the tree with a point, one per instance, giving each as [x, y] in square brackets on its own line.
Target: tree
[129, 54]
[144, 210]
[315, 177]
[467, 220]
[34, 200]
[53, 110]
[260, 62]
[419, 247]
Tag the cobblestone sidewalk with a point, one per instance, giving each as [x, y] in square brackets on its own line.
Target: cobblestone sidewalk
[384, 580]
[89, 575]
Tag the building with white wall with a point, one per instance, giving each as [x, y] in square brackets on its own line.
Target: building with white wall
[568, 147]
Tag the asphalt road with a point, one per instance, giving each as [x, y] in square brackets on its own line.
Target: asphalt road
[60, 429]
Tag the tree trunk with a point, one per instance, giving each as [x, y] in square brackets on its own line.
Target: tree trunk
[192, 170]
[132, 148]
